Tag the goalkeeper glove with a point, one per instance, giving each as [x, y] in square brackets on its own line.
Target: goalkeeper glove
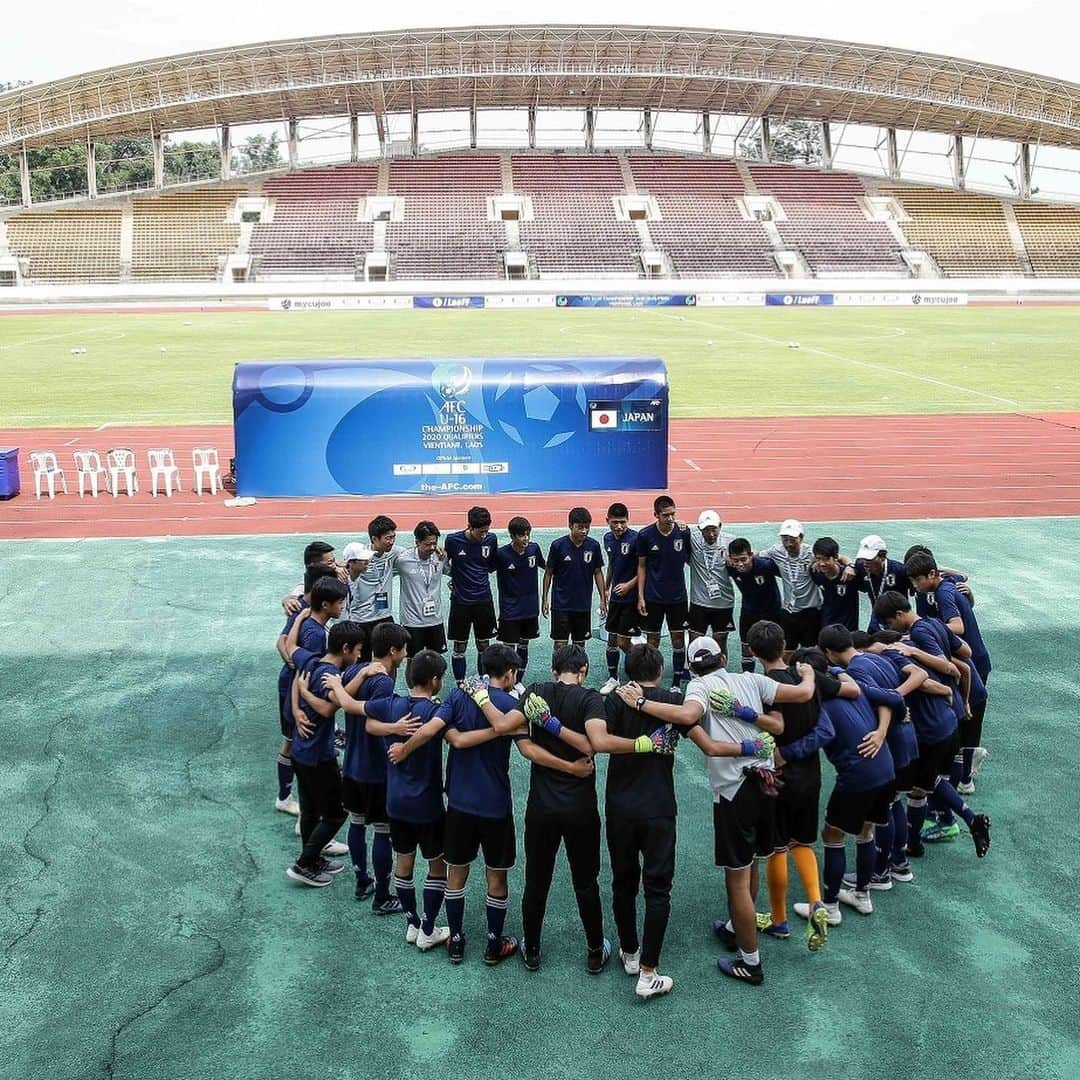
[662, 741]
[537, 712]
[476, 688]
[761, 747]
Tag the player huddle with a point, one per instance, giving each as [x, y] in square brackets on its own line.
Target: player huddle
[896, 708]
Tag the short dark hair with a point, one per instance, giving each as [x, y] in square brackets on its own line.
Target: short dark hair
[860, 639]
[316, 572]
[835, 638]
[917, 549]
[739, 546]
[478, 517]
[427, 665]
[380, 525]
[315, 551]
[344, 635]
[813, 656]
[387, 636]
[826, 547]
[886, 637]
[325, 591]
[579, 516]
[921, 564]
[766, 640]
[618, 510]
[499, 659]
[644, 663]
[425, 530]
[569, 659]
[662, 502]
[519, 526]
[889, 605]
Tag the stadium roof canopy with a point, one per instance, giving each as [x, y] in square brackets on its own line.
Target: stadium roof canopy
[608, 67]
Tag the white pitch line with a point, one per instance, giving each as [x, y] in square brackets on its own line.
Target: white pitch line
[693, 465]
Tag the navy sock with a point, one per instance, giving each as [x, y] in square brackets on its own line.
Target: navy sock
[523, 659]
[406, 893]
[883, 838]
[382, 860]
[950, 798]
[940, 809]
[480, 661]
[612, 657]
[496, 916]
[457, 665]
[833, 871]
[968, 755]
[434, 890]
[916, 815]
[455, 911]
[900, 833]
[284, 776]
[356, 838]
[956, 770]
[747, 663]
[678, 666]
[864, 863]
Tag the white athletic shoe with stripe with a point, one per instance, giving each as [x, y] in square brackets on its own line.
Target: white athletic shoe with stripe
[631, 962]
[649, 986]
[334, 849]
[609, 686]
[411, 934]
[439, 936]
[288, 806]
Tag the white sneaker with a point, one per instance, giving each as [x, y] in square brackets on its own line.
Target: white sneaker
[439, 936]
[518, 692]
[631, 962]
[966, 787]
[288, 806]
[296, 828]
[832, 912]
[334, 849]
[977, 759]
[609, 686]
[653, 985]
[411, 934]
[860, 901]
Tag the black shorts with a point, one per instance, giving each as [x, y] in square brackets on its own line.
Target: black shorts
[623, 620]
[365, 641]
[935, 759]
[798, 803]
[971, 727]
[656, 614]
[848, 810]
[366, 799]
[479, 618]
[571, 625]
[407, 836]
[717, 620]
[748, 618]
[466, 835]
[285, 719]
[801, 627]
[511, 631]
[743, 828]
[426, 637]
[905, 776]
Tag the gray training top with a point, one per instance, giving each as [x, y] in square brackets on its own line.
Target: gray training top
[369, 595]
[421, 589]
[710, 585]
[800, 592]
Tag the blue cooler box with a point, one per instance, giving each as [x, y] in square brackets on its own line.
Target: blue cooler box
[9, 472]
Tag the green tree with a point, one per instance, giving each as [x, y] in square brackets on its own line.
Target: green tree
[259, 153]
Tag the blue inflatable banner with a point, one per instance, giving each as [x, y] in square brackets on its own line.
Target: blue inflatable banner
[444, 303]
[787, 299]
[605, 300]
[474, 425]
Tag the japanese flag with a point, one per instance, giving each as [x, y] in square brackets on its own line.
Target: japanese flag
[604, 419]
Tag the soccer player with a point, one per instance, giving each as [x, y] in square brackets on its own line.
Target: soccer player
[575, 564]
[517, 567]
[317, 553]
[802, 598]
[470, 558]
[420, 571]
[620, 584]
[663, 550]
[712, 596]
[639, 812]
[727, 714]
[315, 760]
[877, 574]
[935, 719]
[755, 577]
[370, 595]
[838, 585]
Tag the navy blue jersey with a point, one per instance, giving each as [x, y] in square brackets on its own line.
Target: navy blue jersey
[285, 675]
[893, 579]
[311, 641]
[934, 716]
[758, 587]
[839, 599]
[572, 569]
[477, 778]
[933, 636]
[519, 592]
[947, 602]
[413, 787]
[666, 558]
[469, 563]
[365, 755]
[871, 669]
[622, 558]
[319, 745]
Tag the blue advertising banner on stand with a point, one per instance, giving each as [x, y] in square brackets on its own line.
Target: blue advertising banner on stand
[474, 425]
[787, 299]
[604, 300]
[445, 303]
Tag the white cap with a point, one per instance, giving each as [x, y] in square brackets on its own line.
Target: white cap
[708, 518]
[702, 648]
[791, 527]
[357, 551]
[870, 547]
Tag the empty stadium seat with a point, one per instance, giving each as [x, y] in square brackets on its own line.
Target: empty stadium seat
[1051, 237]
[184, 235]
[68, 246]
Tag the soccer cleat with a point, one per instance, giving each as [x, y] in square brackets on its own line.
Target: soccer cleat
[307, 876]
[725, 936]
[288, 806]
[411, 933]
[915, 851]
[365, 887]
[901, 872]
[936, 833]
[609, 686]
[965, 787]
[530, 957]
[977, 758]
[455, 949]
[335, 849]
[878, 882]
[438, 936]
[860, 901]
[735, 967]
[387, 905]
[597, 959]
[631, 962]
[331, 866]
[980, 833]
[497, 951]
[776, 930]
[817, 927]
[833, 916]
[339, 738]
[518, 692]
[653, 984]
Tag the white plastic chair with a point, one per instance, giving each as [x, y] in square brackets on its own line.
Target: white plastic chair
[163, 468]
[205, 464]
[47, 468]
[88, 463]
[121, 464]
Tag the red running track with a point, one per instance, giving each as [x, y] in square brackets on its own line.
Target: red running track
[833, 468]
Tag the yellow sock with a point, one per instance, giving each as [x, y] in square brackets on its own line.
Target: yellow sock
[776, 874]
[807, 867]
